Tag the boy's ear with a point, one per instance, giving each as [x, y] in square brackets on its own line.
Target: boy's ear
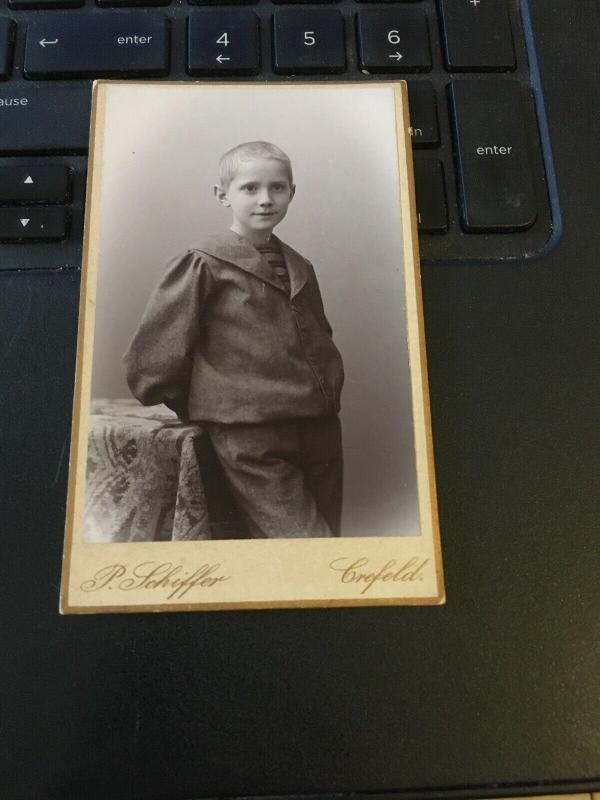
[221, 195]
[293, 192]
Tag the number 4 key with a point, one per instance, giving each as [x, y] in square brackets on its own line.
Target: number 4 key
[223, 42]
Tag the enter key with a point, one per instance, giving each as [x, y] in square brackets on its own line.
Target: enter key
[120, 44]
[494, 170]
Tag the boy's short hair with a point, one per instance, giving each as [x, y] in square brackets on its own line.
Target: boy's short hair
[230, 162]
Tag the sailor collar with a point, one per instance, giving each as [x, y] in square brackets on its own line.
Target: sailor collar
[235, 250]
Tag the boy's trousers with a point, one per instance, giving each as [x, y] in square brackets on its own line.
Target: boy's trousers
[286, 476]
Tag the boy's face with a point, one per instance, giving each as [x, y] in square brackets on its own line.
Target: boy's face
[259, 196]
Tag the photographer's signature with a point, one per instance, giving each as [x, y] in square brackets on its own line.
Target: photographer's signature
[360, 571]
[155, 575]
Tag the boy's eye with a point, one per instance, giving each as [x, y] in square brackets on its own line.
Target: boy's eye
[250, 187]
[278, 187]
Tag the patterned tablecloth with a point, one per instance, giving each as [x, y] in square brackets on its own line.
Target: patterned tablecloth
[143, 476]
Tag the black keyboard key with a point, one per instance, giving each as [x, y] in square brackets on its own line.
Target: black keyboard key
[297, 2]
[25, 4]
[41, 222]
[221, 2]
[422, 104]
[494, 173]
[125, 3]
[393, 40]
[432, 211]
[44, 118]
[7, 30]
[117, 44]
[223, 42]
[34, 183]
[308, 41]
[477, 35]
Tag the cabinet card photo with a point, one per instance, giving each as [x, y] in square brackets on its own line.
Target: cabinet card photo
[251, 418]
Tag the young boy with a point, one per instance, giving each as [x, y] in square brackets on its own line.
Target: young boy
[235, 337]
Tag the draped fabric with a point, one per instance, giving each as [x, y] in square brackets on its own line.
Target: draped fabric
[143, 476]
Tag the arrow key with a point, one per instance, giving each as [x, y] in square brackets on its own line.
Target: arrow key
[393, 40]
[223, 42]
[32, 183]
[34, 223]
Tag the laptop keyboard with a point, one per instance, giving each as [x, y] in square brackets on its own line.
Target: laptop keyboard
[479, 167]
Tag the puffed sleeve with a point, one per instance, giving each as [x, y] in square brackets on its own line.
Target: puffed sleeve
[158, 361]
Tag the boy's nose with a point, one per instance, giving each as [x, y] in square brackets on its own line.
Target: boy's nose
[265, 198]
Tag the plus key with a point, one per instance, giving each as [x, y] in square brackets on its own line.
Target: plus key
[477, 35]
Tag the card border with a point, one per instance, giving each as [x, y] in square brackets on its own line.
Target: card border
[422, 436]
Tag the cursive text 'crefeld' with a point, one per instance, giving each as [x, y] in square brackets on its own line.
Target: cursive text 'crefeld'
[359, 571]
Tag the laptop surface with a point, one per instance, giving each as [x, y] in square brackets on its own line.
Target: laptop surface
[495, 693]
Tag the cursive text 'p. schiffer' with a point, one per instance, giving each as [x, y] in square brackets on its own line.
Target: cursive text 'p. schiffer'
[153, 575]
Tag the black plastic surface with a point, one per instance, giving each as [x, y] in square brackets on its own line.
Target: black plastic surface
[65, 104]
[495, 693]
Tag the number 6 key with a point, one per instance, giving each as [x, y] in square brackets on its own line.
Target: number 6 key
[393, 40]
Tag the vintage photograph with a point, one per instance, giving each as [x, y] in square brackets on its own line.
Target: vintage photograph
[251, 391]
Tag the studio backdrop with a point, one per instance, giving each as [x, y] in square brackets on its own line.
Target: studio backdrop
[159, 169]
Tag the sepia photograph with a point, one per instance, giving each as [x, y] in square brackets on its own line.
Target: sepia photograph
[251, 422]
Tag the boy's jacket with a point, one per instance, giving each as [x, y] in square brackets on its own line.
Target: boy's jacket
[221, 340]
